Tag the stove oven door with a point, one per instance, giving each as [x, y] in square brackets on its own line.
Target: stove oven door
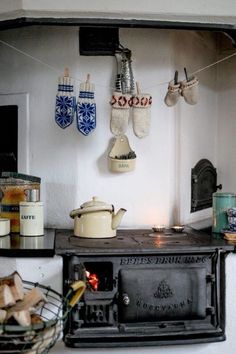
[152, 294]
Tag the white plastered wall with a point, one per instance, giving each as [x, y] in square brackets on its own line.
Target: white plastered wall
[73, 167]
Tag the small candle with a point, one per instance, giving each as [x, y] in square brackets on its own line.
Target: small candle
[178, 228]
[158, 228]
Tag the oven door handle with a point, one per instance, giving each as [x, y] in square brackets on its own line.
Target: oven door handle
[125, 299]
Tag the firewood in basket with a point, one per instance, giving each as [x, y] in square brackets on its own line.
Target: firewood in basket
[14, 281]
[3, 315]
[6, 297]
[45, 339]
[36, 319]
[32, 300]
[22, 317]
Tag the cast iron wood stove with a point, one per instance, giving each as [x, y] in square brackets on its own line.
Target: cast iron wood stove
[145, 288]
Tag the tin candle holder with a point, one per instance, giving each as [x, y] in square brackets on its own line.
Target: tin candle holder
[158, 228]
[178, 228]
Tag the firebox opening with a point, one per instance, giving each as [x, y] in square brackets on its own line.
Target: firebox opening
[99, 275]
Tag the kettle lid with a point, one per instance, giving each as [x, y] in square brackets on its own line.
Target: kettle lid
[95, 202]
[91, 206]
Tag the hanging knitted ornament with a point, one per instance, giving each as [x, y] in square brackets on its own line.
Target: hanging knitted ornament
[174, 91]
[65, 101]
[141, 113]
[189, 89]
[120, 113]
[86, 108]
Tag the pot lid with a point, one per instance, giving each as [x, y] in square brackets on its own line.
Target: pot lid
[92, 205]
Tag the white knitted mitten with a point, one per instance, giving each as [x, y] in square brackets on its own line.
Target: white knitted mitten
[65, 101]
[142, 114]
[86, 108]
[120, 113]
[189, 90]
[173, 94]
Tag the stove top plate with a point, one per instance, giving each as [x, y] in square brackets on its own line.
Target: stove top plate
[129, 241]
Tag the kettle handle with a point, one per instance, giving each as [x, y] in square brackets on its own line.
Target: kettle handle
[74, 213]
[80, 211]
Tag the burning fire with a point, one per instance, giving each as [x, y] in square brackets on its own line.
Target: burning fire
[92, 279]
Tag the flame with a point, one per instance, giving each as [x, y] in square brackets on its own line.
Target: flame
[92, 279]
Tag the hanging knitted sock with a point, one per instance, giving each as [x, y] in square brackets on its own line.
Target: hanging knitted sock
[65, 101]
[86, 108]
[141, 113]
[121, 104]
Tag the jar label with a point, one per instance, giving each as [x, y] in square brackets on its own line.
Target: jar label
[10, 208]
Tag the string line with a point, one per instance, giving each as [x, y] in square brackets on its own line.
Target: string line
[215, 63]
[28, 55]
[199, 70]
[59, 71]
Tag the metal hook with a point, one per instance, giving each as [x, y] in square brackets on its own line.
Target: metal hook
[125, 52]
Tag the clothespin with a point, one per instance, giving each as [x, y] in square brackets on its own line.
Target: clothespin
[66, 72]
[176, 78]
[87, 82]
[138, 88]
[186, 75]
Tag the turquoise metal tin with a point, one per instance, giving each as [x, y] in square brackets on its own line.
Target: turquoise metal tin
[221, 203]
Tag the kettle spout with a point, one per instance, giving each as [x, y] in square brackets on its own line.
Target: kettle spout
[116, 218]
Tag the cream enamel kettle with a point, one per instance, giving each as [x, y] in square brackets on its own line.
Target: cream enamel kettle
[96, 219]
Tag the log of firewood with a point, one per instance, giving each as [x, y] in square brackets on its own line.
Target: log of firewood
[36, 319]
[3, 315]
[22, 317]
[14, 281]
[32, 300]
[6, 297]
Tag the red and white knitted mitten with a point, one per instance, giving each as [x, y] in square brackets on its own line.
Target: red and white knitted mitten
[121, 104]
[142, 114]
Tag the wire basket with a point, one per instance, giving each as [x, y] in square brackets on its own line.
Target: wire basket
[39, 338]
